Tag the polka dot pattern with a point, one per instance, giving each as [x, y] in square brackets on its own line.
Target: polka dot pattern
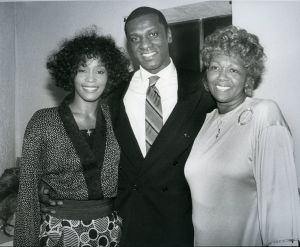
[77, 233]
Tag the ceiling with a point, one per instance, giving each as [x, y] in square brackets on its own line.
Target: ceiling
[197, 11]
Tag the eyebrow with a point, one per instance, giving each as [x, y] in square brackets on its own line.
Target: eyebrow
[149, 29]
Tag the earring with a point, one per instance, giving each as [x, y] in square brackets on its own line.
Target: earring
[248, 90]
[204, 82]
[206, 87]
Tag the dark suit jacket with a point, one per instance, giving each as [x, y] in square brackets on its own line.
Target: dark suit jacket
[153, 196]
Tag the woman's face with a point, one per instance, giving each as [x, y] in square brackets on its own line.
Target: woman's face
[90, 80]
[226, 79]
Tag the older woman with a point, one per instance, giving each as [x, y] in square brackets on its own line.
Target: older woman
[241, 169]
[72, 148]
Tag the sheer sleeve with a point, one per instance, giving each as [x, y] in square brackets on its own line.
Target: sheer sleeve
[275, 172]
[28, 210]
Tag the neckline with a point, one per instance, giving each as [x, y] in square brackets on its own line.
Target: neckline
[227, 114]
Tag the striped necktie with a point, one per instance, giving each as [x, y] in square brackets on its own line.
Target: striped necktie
[154, 119]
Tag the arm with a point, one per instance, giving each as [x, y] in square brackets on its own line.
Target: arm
[28, 216]
[275, 173]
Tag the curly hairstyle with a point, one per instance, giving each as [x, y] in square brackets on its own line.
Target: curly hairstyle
[63, 64]
[232, 40]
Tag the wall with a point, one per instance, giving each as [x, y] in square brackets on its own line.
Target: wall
[277, 25]
[7, 82]
[41, 25]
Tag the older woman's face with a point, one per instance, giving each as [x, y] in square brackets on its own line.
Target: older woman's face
[226, 79]
[90, 80]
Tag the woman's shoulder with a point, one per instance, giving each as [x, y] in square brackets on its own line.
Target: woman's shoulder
[267, 110]
[45, 115]
[265, 106]
[46, 112]
[40, 120]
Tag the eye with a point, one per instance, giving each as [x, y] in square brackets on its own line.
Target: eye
[153, 34]
[213, 68]
[81, 70]
[234, 71]
[134, 39]
[100, 72]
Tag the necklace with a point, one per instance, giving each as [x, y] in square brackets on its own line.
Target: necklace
[89, 132]
[219, 125]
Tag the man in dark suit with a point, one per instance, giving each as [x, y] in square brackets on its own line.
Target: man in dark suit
[153, 196]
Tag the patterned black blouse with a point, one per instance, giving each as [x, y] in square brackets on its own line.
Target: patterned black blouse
[56, 153]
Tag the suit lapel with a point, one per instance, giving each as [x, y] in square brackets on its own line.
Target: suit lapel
[178, 132]
[125, 134]
[175, 135]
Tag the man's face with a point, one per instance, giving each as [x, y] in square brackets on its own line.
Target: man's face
[149, 42]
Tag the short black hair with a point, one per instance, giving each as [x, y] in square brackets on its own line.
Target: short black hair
[144, 10]
[63, 64]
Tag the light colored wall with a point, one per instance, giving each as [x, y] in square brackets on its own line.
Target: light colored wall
[7, 82]
[277, 23]
[41, 25]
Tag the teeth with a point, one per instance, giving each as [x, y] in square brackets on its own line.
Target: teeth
[90, 89]
[222, 88]
[148, 54]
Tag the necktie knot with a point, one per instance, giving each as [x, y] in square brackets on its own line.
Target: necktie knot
[153, 80]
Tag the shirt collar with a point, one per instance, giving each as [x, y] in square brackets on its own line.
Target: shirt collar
[164, 73]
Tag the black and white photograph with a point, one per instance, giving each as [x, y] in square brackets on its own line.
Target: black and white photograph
[149, 123]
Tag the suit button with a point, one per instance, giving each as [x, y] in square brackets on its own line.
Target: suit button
[164, 189]
[135, 187]
[175, 163]
[186, 135]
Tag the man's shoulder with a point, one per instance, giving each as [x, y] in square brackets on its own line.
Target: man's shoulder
[190, 83]
[188, 74]
[189, 80]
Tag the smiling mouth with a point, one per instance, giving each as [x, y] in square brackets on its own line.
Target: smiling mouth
[149, 54]
[222, 88]
[90, 89]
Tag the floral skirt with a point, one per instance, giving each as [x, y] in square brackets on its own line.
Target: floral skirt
[102, 232]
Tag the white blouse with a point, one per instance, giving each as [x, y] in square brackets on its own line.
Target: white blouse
[242, 177]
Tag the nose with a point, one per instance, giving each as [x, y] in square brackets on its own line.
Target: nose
[90, 76]
[223, 74]
[145, 43]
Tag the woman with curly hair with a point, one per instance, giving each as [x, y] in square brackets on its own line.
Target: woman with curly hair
[73, 150]
[241, 169]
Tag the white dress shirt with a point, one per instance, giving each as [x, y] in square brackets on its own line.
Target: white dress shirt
[135, 98]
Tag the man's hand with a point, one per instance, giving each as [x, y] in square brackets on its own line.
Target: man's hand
[47, 205]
